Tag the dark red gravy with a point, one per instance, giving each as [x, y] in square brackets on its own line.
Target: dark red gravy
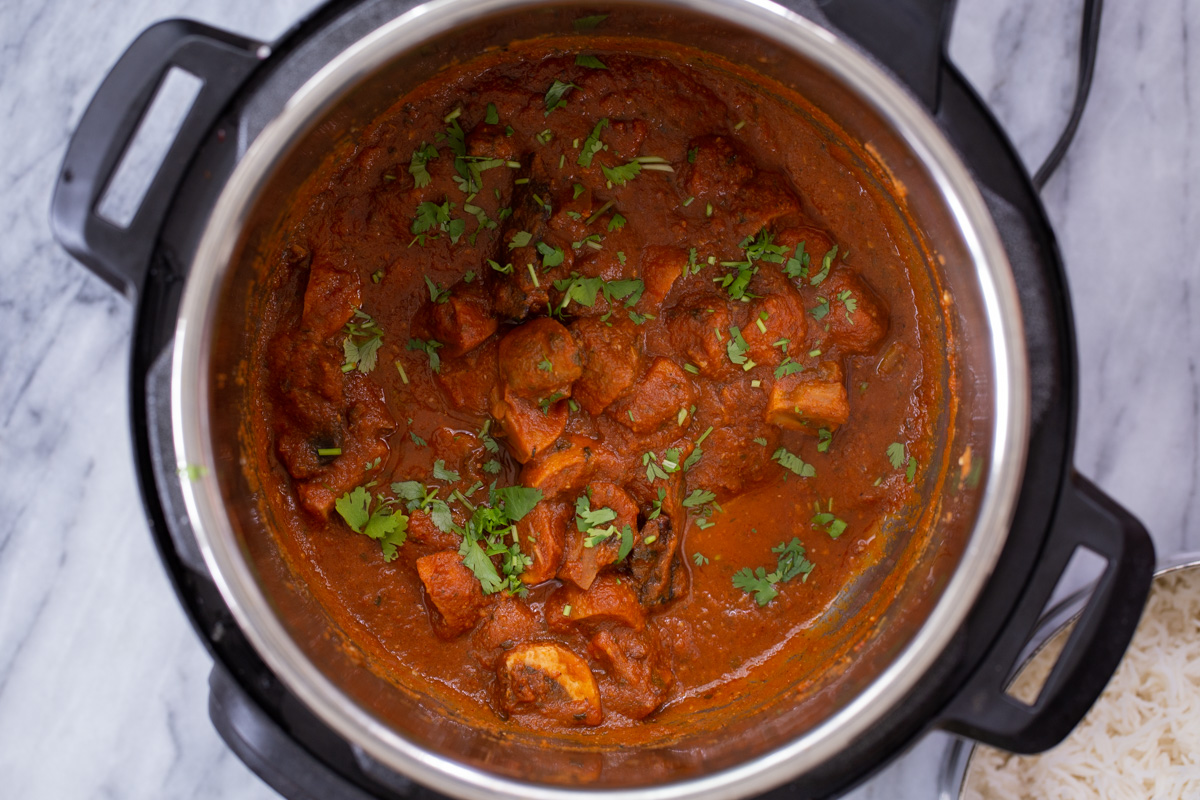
[847, 365]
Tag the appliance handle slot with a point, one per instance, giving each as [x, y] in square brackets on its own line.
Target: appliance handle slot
[1088, 518]
[120, 254]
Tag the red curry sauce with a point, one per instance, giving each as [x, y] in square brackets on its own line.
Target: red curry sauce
[648, 293]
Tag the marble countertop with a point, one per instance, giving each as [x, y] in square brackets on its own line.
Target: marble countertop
[103, 689]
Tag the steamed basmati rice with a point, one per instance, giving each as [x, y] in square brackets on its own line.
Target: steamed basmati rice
[1141, 741]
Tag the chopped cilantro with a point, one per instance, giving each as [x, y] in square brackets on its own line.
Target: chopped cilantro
[622, 174]
[790, 563]
[442, 474]
[520, 239]
[797, 265]
[436, 293]
[430, 349]
[435, 217]
[699, 559]
[388, 527]
[492, 117]
[737, 347]
[824, 437]
[555, 95]
[896, 454]
[788, 367]
[591, 62]
[793, 462]
[592, 144]
[826, 263]
[193, 472]
[361, 345]
[825, 519]
[589, 23]
[698, 497]
[551, 256]
[416, 167]
[820, 309]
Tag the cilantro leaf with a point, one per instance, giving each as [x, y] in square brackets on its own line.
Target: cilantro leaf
[737, 347]
[622, 174]
[353, 507]
[794, 463]
[589, 23]
[439, 514]
[388, 527]
[518, 500]
[555, 95]
[492, 117]
[826, 263]
[442, 474]
[580, 289]
[436, 293]
[820, 309]
[520, 239]
[361, 345]
[698, 497]
[409, 491]
[476, 560]
[797, 265]
[790, 563]
[626, 543]
[551, 256]
[416, 167]
[630, 290]
[788, 367]
[895, 454]
[587, 518]
[592, 144]
[756, 582]
[430, 349]
[591, 62]
[832, 525]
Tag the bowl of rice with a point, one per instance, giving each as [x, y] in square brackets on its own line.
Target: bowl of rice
[1142, 737]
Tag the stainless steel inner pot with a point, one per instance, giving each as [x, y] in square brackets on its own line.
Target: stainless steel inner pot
[411, 734]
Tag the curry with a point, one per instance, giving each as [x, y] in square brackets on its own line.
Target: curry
[589, 379]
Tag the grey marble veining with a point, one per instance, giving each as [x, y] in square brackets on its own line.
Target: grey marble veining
[103, 688]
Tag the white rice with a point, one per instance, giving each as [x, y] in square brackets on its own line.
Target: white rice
[1141, 741]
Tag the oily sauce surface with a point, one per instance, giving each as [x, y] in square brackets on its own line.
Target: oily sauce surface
[607, 277]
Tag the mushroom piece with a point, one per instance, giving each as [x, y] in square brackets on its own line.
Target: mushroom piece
[550, 681]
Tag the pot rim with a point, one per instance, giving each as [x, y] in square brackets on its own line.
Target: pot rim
[235, 579]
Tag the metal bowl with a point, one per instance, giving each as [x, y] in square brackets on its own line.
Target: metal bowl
[1052, 632]
[945, 568]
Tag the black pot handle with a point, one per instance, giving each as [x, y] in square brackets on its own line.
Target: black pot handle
[1085, 517]
[909, 37]
[120, 255]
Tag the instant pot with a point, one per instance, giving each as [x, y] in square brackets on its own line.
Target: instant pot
[315, 724]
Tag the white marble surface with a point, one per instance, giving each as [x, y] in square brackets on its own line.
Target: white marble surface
[102, 683]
